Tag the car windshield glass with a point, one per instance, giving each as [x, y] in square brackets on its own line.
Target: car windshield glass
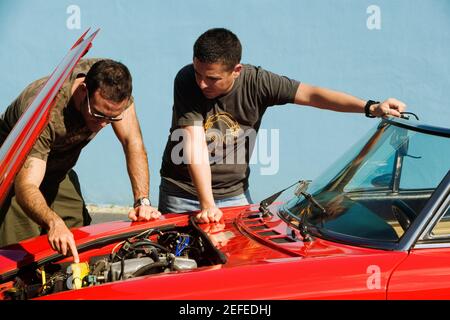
[375, 191]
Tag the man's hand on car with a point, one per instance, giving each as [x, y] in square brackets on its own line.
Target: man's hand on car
[143, 213]
[207, 215]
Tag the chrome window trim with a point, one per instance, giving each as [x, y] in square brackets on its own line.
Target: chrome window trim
[432, 245]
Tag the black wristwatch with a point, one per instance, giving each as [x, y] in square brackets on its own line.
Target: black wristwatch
[144, 201]
[367, 108]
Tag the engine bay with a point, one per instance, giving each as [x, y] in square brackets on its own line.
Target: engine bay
[152, 251]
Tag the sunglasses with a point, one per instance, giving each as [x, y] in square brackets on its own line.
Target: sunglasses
[100, 116]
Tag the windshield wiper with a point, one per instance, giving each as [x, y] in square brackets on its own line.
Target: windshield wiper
[301, 190]
[313, 201]
[264, 205]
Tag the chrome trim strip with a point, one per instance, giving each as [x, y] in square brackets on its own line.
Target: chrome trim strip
[431, 245]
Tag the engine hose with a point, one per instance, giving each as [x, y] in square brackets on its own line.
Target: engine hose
[144, 270]
[154, 255]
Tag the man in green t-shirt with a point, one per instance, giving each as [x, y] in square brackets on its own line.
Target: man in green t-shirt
[217, 111]
[46, 196]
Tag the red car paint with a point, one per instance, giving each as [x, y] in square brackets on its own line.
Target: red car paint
[316, 270]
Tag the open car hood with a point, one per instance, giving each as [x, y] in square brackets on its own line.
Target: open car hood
[30, 125]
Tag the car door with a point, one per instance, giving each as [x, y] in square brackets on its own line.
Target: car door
[425, 273]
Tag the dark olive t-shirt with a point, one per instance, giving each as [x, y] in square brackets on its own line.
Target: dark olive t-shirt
[230, 122]
[62, 140]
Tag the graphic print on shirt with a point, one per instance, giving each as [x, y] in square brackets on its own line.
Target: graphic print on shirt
[225, 139]
[232, 128]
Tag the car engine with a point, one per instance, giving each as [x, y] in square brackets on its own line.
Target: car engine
[150, 252]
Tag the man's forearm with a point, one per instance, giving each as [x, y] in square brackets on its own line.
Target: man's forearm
[201, 177]
[129, 134]
[339, 101]
[30, 198]
[328, 99]
[198, 165]
[137, 166]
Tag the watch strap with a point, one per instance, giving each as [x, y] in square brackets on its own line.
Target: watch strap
[367, 108]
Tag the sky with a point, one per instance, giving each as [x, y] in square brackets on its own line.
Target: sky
[370, 49]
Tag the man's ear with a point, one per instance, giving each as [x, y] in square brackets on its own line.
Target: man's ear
[237, 70]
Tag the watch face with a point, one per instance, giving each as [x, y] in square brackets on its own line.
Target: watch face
[142, 202]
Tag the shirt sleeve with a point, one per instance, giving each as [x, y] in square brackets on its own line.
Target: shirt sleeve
[185, 108]
[275, 89]
[43, 144]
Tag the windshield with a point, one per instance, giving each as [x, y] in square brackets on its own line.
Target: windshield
[375, 190]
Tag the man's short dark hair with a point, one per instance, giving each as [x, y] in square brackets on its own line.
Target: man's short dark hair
[112, 78]
[218, 45]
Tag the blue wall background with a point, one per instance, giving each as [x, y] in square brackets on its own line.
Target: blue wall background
[326, 43]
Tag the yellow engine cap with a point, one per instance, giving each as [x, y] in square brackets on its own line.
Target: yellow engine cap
[79, 271]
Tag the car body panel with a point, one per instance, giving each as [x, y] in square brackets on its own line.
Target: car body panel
[424, 274]
[289, 278]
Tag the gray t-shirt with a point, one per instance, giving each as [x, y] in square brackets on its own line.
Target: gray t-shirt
[230, 122]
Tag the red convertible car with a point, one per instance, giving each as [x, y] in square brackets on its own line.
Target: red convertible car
[375, 225]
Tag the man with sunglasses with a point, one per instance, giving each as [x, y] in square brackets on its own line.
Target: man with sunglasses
[46, 197]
